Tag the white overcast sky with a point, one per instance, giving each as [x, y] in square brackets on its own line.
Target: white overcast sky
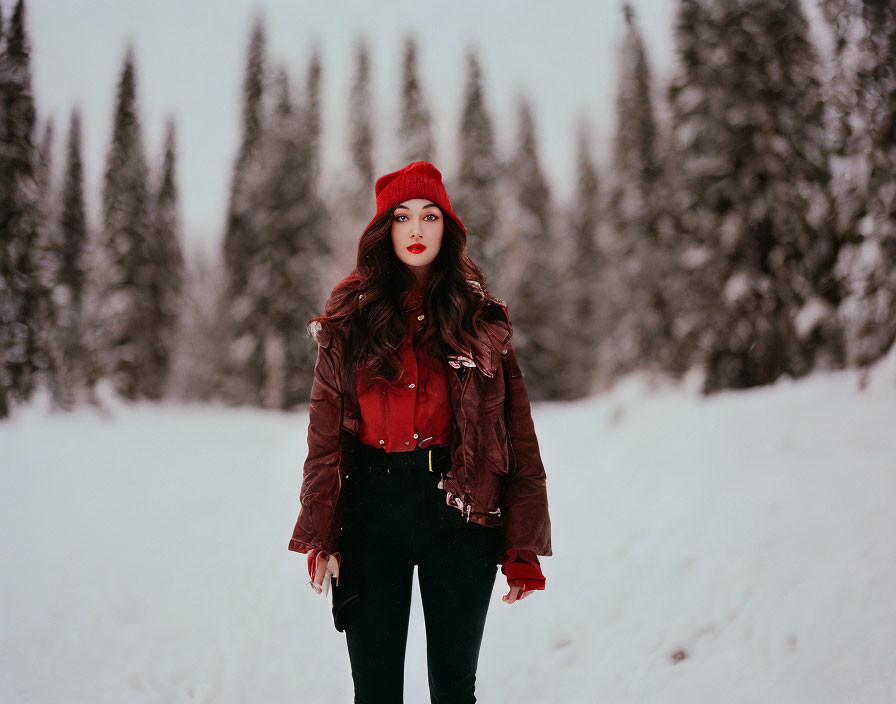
[191, 53]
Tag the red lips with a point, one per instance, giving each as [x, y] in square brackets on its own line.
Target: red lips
[416, 248]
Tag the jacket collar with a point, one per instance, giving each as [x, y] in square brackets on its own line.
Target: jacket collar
[497, 335]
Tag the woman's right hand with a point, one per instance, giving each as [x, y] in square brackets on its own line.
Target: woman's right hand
[320, 564]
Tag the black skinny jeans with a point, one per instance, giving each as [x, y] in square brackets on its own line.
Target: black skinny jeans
[394, 520]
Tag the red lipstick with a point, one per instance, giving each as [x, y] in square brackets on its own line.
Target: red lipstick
[417, 248]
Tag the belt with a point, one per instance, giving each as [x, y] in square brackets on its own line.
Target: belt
[436, 458]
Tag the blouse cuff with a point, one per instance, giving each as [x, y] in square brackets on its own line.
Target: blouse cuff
[523, 569]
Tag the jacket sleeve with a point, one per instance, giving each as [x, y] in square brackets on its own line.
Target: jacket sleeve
[527, 523]
[522, 569]
[321, 473]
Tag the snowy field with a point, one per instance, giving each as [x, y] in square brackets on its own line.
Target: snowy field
[733, 549]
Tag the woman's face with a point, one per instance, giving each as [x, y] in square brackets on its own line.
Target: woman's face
[417, 227]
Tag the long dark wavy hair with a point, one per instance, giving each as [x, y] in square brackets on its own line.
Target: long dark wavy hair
[365, 309]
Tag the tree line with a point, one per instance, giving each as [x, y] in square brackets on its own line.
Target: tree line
[744, 227]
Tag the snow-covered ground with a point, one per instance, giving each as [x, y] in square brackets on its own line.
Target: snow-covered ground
[144, 555]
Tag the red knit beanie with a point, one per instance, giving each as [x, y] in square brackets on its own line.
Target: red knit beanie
[419, 179]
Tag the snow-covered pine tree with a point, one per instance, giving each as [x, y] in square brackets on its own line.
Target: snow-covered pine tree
[350, 195]
[43, 170]
[584, 293]
[642, 334]
[312, 243]
[360, 176]
[695, 137]
[415, 140]
[276, 201]
[862, 100]
[48, 260]
[312, 119]
[70, 281]
[120, 266]
[244, 366]
[166, 284]
[22, 288]
[531, 258]
[475, 187]
[283, 285]
[758, 232]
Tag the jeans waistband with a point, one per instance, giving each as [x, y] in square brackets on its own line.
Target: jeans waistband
[437, 458]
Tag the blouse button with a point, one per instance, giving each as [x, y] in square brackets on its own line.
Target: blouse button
[410, 386]
[382, 442]
[407, 442]
[420, 317]
[416, 436]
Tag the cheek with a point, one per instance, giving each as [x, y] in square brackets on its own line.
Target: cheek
[400, 253]
[435, 231]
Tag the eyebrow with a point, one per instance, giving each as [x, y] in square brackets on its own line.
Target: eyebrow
[428, 205]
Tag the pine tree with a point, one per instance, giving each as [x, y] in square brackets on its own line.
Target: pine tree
[22, 288]
[166, 284]
[48, 260]
[476, 185]
[862, 98]
[312, 120]
[643, 333]
[73, 241]
[353, 192]
[281, 206]
[533, 255]
[44, 168]
[121, 269]
[415, 125]
[584, 281]
[360, 177]
[311, 250]
[245, 358]
[753, 201]
[697, 141]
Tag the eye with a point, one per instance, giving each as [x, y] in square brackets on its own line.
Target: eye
[399, 216]
[434, 216]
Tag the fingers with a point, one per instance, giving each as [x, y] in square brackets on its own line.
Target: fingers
[320, 571]
[316, 569]
[515, 595]
[320, 565]
[333, 566]
[512, 595]
[332, 570]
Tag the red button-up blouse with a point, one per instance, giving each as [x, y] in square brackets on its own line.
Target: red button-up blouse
[418, 414]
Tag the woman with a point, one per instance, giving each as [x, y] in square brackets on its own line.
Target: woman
[421, 447]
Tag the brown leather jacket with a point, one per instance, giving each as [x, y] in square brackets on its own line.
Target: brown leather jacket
[497, 477]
